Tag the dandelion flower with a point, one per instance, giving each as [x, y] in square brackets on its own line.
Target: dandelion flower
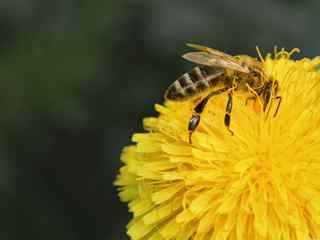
[261, 183]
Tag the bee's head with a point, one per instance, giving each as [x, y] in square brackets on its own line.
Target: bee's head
[247, 60]
[256, 72]
[253, 65]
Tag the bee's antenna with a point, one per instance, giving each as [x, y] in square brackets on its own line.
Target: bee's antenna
[190, 138]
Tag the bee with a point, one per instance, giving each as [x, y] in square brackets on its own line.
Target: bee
[220, 73]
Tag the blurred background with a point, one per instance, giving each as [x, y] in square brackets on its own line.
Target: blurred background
[76, 79]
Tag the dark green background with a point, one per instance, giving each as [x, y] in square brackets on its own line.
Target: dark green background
[77, 77]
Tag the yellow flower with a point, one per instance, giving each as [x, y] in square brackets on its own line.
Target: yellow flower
[261, 183]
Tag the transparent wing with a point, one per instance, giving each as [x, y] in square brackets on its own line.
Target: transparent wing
[210, 50]
[209, 59]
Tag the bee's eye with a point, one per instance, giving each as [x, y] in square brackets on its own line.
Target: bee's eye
[255, 74]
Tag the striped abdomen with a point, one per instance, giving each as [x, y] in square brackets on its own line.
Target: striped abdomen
[197, 80]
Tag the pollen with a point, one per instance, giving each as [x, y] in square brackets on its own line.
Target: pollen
[262, 182]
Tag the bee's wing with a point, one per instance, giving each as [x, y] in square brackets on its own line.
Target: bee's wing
[209, 59]
[210, 50]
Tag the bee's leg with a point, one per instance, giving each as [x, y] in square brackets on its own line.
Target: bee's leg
[254, 98]
[227, 117]
[268, 100]
[278, 106]
[193, 124]
[266, 96]
[256, 95]
[195, 118]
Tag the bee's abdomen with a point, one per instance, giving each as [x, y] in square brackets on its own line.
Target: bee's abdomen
[197, 80]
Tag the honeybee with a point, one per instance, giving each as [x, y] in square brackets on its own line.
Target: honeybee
[220, 73]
